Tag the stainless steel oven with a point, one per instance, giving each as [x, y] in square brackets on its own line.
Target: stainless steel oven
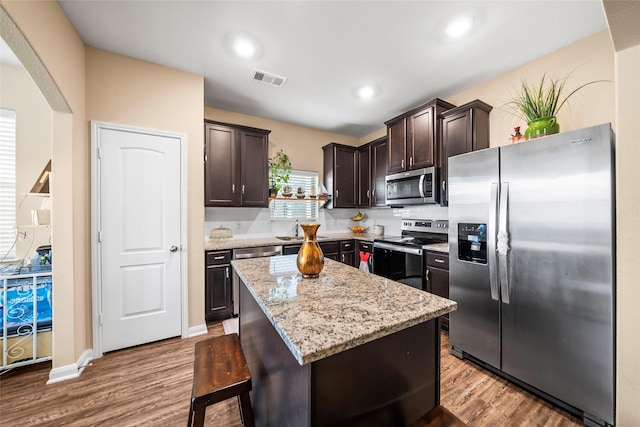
[412, 187]
[402, 258]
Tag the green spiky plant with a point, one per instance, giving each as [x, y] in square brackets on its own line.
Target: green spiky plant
[545, 99]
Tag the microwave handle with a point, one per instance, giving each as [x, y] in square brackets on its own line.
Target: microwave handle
[421, 185]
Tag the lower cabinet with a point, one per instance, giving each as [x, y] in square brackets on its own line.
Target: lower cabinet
[342, 251]
[218, 300]
[437, 275]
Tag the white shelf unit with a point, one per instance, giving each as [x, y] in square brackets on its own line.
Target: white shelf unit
[26, 318]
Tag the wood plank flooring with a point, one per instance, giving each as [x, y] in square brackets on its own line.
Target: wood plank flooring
[150, 385]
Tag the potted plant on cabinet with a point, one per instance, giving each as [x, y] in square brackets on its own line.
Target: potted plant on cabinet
[539, 104]
[279, 170]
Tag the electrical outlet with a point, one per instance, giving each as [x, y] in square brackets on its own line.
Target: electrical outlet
[238, 225]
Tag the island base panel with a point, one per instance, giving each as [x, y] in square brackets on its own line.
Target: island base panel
[390, 381]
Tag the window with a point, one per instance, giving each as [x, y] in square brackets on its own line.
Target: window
[7, 184]
[295, 208]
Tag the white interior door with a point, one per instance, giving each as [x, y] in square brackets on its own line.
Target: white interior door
[139, 237]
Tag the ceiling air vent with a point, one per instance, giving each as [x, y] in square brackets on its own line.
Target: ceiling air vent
[268, 78]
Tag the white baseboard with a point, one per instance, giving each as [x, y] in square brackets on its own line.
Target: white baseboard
[71, 371]
[198, 330]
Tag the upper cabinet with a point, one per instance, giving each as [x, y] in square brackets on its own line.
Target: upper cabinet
[340, 175]
[464, 129]
[414, 137]
[372, 169]
[235, 165]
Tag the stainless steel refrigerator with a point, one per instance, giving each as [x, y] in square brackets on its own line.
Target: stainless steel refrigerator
[532, 266]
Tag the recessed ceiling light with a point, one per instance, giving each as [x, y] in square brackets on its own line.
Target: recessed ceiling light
[366, 92]
[245, 48]
[459, 27]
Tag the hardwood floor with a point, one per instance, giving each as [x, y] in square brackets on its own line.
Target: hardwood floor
[150, 385]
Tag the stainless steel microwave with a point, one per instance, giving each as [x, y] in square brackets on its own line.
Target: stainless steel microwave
[414, 187]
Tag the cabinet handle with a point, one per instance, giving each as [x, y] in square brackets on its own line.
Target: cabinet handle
[337, 193]
[342, 257]
[242, 188]
[402, 163]
[410, 161]
[347, 245]
[373, 194]
[443, 184]
[368, 193]
[427, 273]
[226, 270]
[439, 260]
[233, 188]
[219, 257]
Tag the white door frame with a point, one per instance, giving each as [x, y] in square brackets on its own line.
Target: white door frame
[96, 254]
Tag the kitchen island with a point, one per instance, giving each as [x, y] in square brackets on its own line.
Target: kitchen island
[348, 348]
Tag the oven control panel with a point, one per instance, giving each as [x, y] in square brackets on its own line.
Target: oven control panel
[425, 225]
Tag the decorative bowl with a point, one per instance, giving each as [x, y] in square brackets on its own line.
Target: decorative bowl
[357, 228]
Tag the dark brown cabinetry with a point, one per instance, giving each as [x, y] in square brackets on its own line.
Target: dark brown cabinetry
[372, 169]
[340, 177]
[343, 251]
[464, 129]
[366, 247]
[235, 165]
[414, 137]
[218, 301]
[437, 278]
[348, 252]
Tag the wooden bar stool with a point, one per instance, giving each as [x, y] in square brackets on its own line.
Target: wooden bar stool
[220, 372]
[438, 417]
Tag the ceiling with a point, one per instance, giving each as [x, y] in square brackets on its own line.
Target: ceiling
[328, 49]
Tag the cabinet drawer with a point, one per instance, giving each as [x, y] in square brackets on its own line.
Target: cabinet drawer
[438, 260]
[347, 245]
[365, 247]
[218, 257]
[330, 247]
[291, 249]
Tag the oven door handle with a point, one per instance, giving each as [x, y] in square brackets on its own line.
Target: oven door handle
[397, 248]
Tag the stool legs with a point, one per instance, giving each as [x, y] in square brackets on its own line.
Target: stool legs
[246, 413]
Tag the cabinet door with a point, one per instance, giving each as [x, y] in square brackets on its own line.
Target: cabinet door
[438, 284]
[219, 166]
[348, 257]
[456, 137]
[364, 176]
[217, 294]
[420, 139]
[397, 149]
[253, 168]
[291, 249]
[379, 172]
[345, 177]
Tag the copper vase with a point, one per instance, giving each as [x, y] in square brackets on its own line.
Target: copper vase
[310, 258]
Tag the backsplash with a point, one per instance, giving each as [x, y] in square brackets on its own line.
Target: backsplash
[255, 222]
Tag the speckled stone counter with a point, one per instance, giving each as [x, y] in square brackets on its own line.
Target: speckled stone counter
[341, 309]
[348, 348]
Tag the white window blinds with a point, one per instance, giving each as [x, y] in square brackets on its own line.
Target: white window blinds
[296, 208]
[7, 183]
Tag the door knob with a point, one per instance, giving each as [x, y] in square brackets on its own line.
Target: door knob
[173, 249]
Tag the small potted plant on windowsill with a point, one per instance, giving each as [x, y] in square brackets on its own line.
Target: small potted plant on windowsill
[279, 171]
[539, 104]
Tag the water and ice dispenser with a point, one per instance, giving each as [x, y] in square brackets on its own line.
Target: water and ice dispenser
[472, 242]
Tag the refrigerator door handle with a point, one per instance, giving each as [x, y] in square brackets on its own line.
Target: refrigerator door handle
[503, 242]
[491, 241]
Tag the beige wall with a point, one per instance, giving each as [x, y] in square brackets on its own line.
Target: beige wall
[18, 92]
[587, 60]
[132, 92]
[626, 36]
[59, 48]
[302, 144]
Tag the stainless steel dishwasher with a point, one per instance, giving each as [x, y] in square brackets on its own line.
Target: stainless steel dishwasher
[245, 253]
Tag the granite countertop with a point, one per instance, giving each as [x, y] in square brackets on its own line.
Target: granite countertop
[341, 309]
[235, 243]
